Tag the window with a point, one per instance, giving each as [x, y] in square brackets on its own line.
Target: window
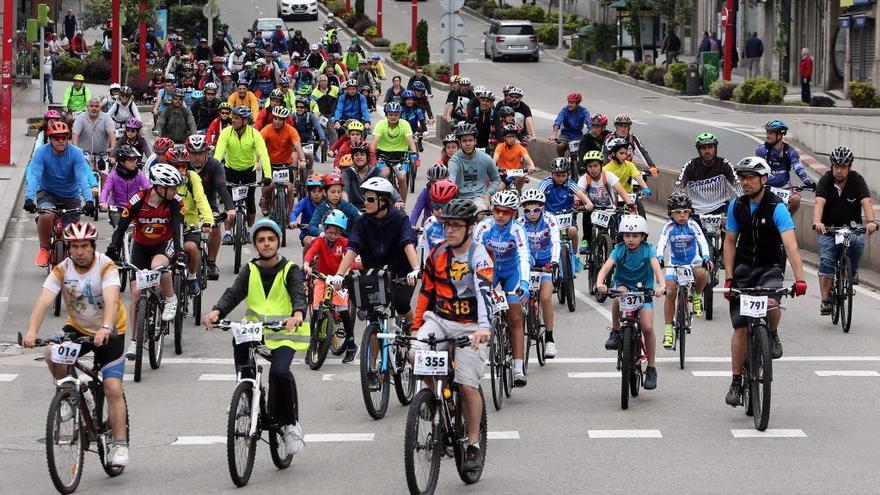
[524, 30]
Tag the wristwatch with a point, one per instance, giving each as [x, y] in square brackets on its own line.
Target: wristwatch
[110, 327]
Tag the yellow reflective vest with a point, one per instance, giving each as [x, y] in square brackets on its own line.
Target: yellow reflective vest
[274, 307]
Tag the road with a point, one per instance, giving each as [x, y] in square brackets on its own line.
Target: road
[563, 433]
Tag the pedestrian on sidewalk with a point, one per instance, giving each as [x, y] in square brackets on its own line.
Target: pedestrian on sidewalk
[70, 24]
[806, 73]
[754, 50]
[705, 46]
[48, 65]
[671, 46]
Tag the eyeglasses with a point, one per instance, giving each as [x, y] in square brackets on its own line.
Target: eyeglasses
[371, 199]
[453, 226]
[59, 137]
[680, 211]
[529, 211]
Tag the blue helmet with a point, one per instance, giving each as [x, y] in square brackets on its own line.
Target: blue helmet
[197, 95]
[375, 56]
[262, 224]
[418, 86]
[393, 107]
[337, 218]
[284, 81]
[776, 126]
[407, 94]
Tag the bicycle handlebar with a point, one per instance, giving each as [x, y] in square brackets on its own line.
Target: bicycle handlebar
[227, 324]
[853, 228]
[756, 291]
[462, 341]
[68, 336]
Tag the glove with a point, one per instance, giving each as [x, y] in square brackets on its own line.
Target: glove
[800, 288]
[335, 280]
[267, 181]
[112, 252]
[728, 284]
[89, 208]
[30, 206]
[810, 184]
[524, 286]
[413, 276]
[413, 157]
[646, 192]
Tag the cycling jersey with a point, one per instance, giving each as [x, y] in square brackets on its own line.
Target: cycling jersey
[459, 100]
[329, 257]
[249, 100]
[510, 157]
[709, 187]
[432, 235]
[241, 152]
[316, 223]
[781, 163]
[635, 147]
[509, 247]
[121, 113]
[626, 172]
[414, 116]
[686, 244]
[543, 235]
[633, 267]
[195, 203]
[456, 288]
[84, 293]
[571, 123]
[306, 208]
[64, 175]
[559, 197]
[153, 225]
[392, 139]
[324, 101]
[601, 190]
[215, 128]
[279, 143]
[309, 127]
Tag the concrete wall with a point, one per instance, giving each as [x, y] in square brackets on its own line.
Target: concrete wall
[823, 137]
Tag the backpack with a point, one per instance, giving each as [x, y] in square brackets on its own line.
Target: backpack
[784, 157]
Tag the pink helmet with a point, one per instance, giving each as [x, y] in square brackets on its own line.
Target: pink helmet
[51, 114]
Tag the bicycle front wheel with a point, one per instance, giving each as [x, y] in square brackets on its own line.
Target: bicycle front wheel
[59, 256]
[599, 258]
[496, 365]
[682, 323]
[422, 444]
[241, 446]
[144, 322]
[404, 379]
[761, 368]
[106, 433]
[65, 440]
[180, 288]
[280, 456]
[567, 258]
[237, 234]
[846, 294]
[321, 335]
[280, 212]
[627, 358]
[375, 386]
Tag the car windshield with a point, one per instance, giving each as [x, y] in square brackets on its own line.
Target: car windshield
[269, 24]
[525, 30]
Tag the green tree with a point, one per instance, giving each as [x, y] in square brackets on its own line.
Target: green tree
[633, 25]
[423, 56]
[677, 12]
[97, 12]
[359, 9]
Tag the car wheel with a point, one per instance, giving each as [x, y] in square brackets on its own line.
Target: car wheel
[536, 58]
[493, 56]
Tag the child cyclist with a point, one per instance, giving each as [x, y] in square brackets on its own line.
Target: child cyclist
[450, 146]
[305, 208]
[441, 192]
[423, 207]
[327, 252]
[602, 187]
[511, 155]
[560, 191]
[635, 265]
[412, 113]
[122, 182]
[508, 242]
[626, 170]
[542, 230]
[683, 239]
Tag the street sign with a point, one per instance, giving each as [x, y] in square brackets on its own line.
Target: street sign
[452, 50]
[451, 5]
[725, 16]
[210, 14]
[452, 24]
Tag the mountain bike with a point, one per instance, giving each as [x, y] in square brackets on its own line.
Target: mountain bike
[113, 213]
[713, 226]
[325, 325]
[58, 248]
[535, 328]
[631, 355]
[399, 165]
[683, 317]
[100, 165]
[604, 226]
[564, 283]
[842, 290]
[278, 205]
[239, 225]
[500, 351]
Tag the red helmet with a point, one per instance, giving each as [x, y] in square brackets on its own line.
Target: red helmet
[80, 231]
[574, 97]
[443, 191]
[177, 154]
[57, 128]
[599, 119]
[333, 179]
[162, 145]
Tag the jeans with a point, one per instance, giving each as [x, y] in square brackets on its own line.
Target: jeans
[828, 253]
[47, 93]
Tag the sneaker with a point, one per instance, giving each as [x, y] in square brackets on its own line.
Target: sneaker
[855, 278]
[734, 394]
[668, 336]
[776, 352]
[825, 307]
[170, 310]
[550, 350]
[585, 247]
[519, 379]
[293, 438]
[42, 258]
[613, 341]
[697, 304]
[351, 350]
[227, 238]
[193, 286]
[117, 455]
[213, 271]
[471, 459]
[650, 378]
[131, 351]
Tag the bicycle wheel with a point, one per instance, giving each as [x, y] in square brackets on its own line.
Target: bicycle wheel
[528, 344]
[681, 323]
[461, 431]
[835, 297]
[102, 420]
[375, 386]
[846, 294]
[404, 379]
[65, 440]
[508, 362]
[559, 283]
[155, 338]
[180, 288]
[237, 234]
[320, 343]
[761, 367]
[280, 456]
[337, 342]
[627, 358]
[422, 444]
[411, 177]
[599, 260]
[541, 343]
[496, 365]
[59, 256]
[568, 270]
[708, 295]
[279, 213]
[241, 447]
[144, 321]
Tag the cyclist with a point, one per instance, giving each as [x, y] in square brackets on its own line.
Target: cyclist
[213, 176]
[560, 193]
[472, 170]
[423, 201]
[354, 136]
[421, 97]
[758, 227]
[224, 118]
[76, 96]
[326, 252]
[708, 179]
[352, 58]
[542, 231]
[509, 244]
[323, 103]
[333, 185]
[457, 101]
[392, 139]
[522, 114]
[412, 113]
[506, 117]
[454, 301]
[351, 105]
[635, 265]
[315, 58]
[241, 146]
[309, 128]
[842, 196]
[93, 130]
[377, 68]
[133, 137]
[90, 285]
[157, 214]
[113, 95]
[450, 146]
[281, 138]
[123, 108]
[284, 88]
[603, 188]
[361, 171]
[783, 158]
[123, 181]
[511, 155]
[205, 110]
[420, 77]
[244, 96]
[264, 116]
[626, 170]
[570, 123]
[594, 140]
[57, 177]
[623, 130]
[176, 121]
[441, 192]
[272, 288]
[163, 98]
[306, 206]
[683, 240]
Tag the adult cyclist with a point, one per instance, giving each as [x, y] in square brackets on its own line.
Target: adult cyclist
[351, 105]
[783, 158]
[393, 142]
[570, 123]
[708, 179]
[283, 144]
[473, 171]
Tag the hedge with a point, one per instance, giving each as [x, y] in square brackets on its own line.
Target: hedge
[400, 51]
[862, 95]
[620, 65]
[760, 91]
[655, 74]
[548, 35]
[675, 76]
[723, 90]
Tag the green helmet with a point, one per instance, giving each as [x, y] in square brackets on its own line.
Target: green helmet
[593, 155]
[305, 90]
[706, 138]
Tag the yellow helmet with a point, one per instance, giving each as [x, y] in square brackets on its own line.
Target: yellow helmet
[79, 77]
[355, 125]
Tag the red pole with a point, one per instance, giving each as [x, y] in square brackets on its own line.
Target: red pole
[728, 42]
[379, 18]
[116, 31]
[455, 69]
[348, 5]
[142, 42]
[6, 84]
[415, 21]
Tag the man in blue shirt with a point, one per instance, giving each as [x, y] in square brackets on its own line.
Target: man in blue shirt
[570, 123]
[782, 159]
[351, 105]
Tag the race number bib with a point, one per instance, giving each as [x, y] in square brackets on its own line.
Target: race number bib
[431, 363]
[685, 275]
[564, 220]
[783, 193]
[573, 146]
[309, 148]
[839, 237]
[323, 121]
[147, 278]
[247, 332]
[754, 306]
[711, 224]
[535, 280]
[631, 302]
[515, 172]
[66, 353]
[281, 175]
[239, 193]
[600, 218]
[500, 302]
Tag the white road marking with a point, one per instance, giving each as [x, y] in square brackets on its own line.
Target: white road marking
[711, 373]
[217, 377]
[770, 433]
[859, 289]
[309, 438]
[593, 304]
[200, 440]
[606, 434]
[719, 125]
[328, 377]
[503, 435]
[594, 374]
[540, 114]
[847, 373]
[8, 377]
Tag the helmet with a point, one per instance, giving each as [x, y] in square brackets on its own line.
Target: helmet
[509, 129]
[488, 95]
[301, 100]
[841, 155]
[464, 81]
[407, 94]
[197, 95]
[466, 129]
[706, 138]
[126, 90]
[126, 151]
[455, 78]
[224, 105]
[678, 201]
[355, 125]
[359, 148]
[352, 48]
[480, 90]
[443, 191]
[633, 224]
[315, 180]
[133, 124]
[450, 138]
[376, 57]
[355, 40]
[283, 81]
[115, 86]
[364, 87]
[162, 145]
[752, 165]
[263, 224]
[594, 155]
[418, 86]
[177, 154]
[57, 128]
[460, 209]
[345, 161]
[315, 46]
[393, 107]
[333, 179]
[506, 89]
[506, 199]
[162, 174]
[623, 119]
[337, 218]
[574, 97]
[515, 92]
[438, 171]
[776, 126]
[351, 83]
[242, 111]
[178, 93]
[560, 164]
[599, 119]
[80, 231]
[51, 114]
[505, 111]
[276, 94]
[305, 65]
[79, 77]
[281, 112]
[533, 196]
[295, 56]
[363, 61]
[617, 143]
[210, 87]
[168, 78]
[196, 143]
[378, 185]
[261, 61]
[304, 90]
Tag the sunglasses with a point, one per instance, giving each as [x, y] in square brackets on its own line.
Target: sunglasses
[529, 211]
[371, 199]
[680, 211]
[59, 137]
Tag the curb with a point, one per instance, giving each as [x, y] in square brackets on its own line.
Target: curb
[610, 74]
[745, 107]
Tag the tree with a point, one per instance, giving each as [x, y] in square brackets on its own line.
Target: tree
[677, 12]
[359, 9]
[97, 12]
[633, 25]
[423, 56]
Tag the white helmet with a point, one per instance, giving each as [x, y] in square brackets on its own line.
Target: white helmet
[115, 86]
[633, 224]
[533, 196]
[379, 185]
[315, 46]
[479, 90]
[506, 199]
[280, 111]
[464, 81]
[752, 165]
[162, 174]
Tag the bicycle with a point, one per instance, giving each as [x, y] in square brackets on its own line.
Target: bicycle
[239, 228]
[87, 415]
[398, 166]
[842, 290]
[58, 248]
[202, 273]
[564, 284]
[682, 321]
[246, 423]
[435, 422]
[113, 213]
[326, 324]
[631, 352]
[713, 226]
[381, 358]
[278, 206]
[573, 158]
[757, 370]
[604, 232]
[100, 164]
[535, 328]
[500, 351]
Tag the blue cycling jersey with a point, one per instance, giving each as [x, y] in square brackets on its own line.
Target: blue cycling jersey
[686, 244]
[543, 236]
[559, 198]
[781, 163]
[432, 234]
[508, 245]
[63, 175]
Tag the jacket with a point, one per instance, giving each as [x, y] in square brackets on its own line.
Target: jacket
[381, 241]
[241, 152]
[176, 123]
[352, 107]
[64, 175]
[204, 112]
[471, 172]
[117, 190]
[759, 243]
[315, 224]
[754, 47]
[213, 176]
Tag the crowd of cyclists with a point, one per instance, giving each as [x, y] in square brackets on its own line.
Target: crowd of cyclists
[245, 121]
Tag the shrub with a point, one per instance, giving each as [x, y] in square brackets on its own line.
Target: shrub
[548, 35]
[528, 12]
[572, 54]
[97, 70]
[361, 25]
[675, 76]
[335, 6]
[423, 56]
[380, 42]
[637, 70]
[488, 10]
[601, 63]
[821, 101]
[877, 101]
[760, 91]
[399, 51]
[862, 95]
[723, 90]
[67, 67]
[370, 32]
[620, 65]
[438, 71]
[654, 75]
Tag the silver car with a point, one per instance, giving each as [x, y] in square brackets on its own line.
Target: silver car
[510, 39]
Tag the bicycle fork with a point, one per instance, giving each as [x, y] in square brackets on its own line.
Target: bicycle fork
[255, 399]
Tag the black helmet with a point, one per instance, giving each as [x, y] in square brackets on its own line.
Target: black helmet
[678, 201]
[126, 151]
[505, 111]
[460, 209]
[560, 164]
[466, 129]
[842, 155]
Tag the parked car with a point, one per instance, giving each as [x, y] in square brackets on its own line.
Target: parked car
[510, 39]
[298, 9]
[266, 25]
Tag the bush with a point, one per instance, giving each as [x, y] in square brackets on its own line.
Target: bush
[572, 54]
[97, 70]
[335, 6]
[488, 10]
[877, 101]
[620, 65]
[548, 35]
[760, 91]
[370, 32]
[862, 95]
[675, 76]
[821, 101]
[438, 71]
[528, 12]
[189, 18]
[361, 25]
[67, 67]
[423, 56]
[602, 64]
[399, 51]
[654, 75]
[637, 70]
[380, 42]
[723, 90]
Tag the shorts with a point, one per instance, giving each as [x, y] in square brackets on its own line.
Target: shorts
[142, 256]
[194, 236]
[109, 356]
[539, 265]
[339, 300]
[393, 156]
[238, 177]
[509, 282]
[670, 270]
[469, 364]
[769, 277]
[48, 201]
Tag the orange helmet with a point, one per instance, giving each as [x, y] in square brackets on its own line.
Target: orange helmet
[345, 161]
[57, 128]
